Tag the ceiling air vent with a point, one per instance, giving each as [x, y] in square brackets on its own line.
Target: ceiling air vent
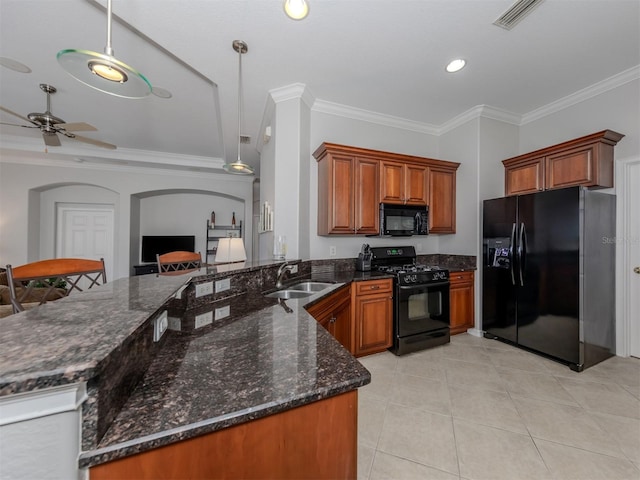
[516, 12]
[245, 139]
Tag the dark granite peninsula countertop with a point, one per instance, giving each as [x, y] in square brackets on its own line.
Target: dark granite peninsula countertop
[264, 357]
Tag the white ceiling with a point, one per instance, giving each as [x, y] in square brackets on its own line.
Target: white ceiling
[382, 56]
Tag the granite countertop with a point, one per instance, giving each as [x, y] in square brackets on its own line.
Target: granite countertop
[268, 361]
[272, 356]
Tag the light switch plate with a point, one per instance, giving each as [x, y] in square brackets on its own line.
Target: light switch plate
[203, 289]
[222, 285]
[222, 312]
[204, 319]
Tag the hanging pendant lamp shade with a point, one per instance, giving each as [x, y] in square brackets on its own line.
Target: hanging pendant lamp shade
[239, 167]
[103, 71]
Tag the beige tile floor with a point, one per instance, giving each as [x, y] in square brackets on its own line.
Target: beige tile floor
[480, 409]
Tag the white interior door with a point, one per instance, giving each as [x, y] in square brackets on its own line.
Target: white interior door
[631, 243]
[86, 231]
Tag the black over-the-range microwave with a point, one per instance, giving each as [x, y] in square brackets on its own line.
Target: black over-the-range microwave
[404, 220]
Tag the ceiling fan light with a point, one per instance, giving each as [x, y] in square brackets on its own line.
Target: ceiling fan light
[296, 9]
[108, 71]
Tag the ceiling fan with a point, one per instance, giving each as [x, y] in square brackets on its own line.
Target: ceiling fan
[51, 126]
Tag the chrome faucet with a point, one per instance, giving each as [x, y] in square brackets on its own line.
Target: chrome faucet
[284, 268]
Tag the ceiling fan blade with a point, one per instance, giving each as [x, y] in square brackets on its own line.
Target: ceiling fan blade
[97, 143]
[51, 139]
[77, 127]
[16, 114]
[18, 125]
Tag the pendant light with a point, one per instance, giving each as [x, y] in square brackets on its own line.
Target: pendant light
[239, 167]
[103, 71]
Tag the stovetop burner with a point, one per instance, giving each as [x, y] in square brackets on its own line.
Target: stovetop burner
[410, 268]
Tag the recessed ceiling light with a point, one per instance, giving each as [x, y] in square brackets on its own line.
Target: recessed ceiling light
[296, 9]
[14, 65]
[455, 65]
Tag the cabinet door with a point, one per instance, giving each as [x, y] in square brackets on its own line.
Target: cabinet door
[404, 183]
[334, 314]
[416, 185]
[392, 182]
[340, 324]
[335, 195]
[573, 167]
[442, 201]
[461, 302]
[373, 323]
[367, 204]
[524, 177]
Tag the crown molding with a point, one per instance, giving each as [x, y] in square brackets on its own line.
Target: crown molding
[293, 91]
[480, 111]
[331, 108]
[591, 91]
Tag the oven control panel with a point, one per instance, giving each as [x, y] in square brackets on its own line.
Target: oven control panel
[421, 278]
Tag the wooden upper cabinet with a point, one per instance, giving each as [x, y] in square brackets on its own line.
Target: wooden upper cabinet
[365, 190]
[347, 195]
[403, 183]
[525, 177]
[442, 200]
[584, 161]
[352, 182]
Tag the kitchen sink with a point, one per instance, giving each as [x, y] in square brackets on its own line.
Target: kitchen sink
[310, 286]
[288, 293]
[299, 290]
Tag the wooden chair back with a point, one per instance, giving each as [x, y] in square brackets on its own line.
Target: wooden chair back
[47, 280]
[178, 261]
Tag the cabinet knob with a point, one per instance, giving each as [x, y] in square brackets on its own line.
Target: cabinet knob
[637, 270]
[332, 320]
[374, 287]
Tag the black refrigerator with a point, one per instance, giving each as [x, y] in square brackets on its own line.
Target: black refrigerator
[548, 276]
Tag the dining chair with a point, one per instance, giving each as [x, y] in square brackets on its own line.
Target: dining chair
[178, 261]
[47, 280]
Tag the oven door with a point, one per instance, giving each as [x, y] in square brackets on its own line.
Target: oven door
[422, 308]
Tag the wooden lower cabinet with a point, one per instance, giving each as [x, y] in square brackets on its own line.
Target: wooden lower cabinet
[318, 441]
[372, 303]
[461, 301]
[334, 314]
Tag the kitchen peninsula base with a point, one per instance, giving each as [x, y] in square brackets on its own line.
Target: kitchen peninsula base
[317, 440]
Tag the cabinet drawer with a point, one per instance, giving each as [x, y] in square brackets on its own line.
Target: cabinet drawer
[460, 277]
[373, 286]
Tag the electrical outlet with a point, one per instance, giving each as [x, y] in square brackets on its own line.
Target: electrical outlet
[204, 319]
[160, 324]
[222, 285]
[294, 269]
[203, 289]
[222, 312]
[332, 251]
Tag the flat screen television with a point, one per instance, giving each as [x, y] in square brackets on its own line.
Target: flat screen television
[153, 245]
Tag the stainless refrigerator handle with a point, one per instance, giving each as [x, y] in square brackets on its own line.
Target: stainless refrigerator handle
[522, 253]
[511, 259]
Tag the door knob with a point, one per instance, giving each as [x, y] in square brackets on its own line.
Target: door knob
[637, 270]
